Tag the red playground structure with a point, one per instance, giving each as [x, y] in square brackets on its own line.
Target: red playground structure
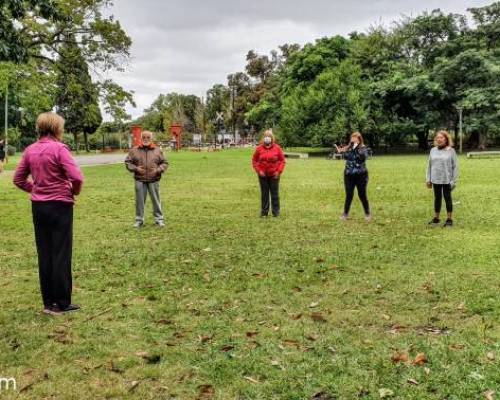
[135, 133]
[176, 131]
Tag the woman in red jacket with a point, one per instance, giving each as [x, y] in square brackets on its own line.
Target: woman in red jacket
[269, 162]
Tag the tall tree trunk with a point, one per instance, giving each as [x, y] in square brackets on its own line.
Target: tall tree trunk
[75, 136]
[423, 139]
[482, 140]
[86, 138]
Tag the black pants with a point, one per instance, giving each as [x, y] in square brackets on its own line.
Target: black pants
[360, 182]
[270, 187]
[441, 191]
[53, 222]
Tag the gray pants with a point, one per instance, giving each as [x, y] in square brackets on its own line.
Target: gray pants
[141, 192]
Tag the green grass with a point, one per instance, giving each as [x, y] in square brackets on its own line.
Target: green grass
[223, 298]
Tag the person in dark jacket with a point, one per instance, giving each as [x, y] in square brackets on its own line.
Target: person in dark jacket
[355, 174]
[148, 164]
[2, 154]
[269, 162]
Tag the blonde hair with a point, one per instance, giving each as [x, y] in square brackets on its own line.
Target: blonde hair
[50, 124]
[267, 133]
[449, 140]
[358, 136]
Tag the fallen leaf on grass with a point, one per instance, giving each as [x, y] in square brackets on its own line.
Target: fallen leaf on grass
[461, 306]
[253, 344]
[384, 393]
[399, 357]
[250, 379]
[412, 381]
[318, 317]
[164, 322]
[489, 395]
[386, 317]
[323, 396]
[28, 386]
[395, 329]
[150, 358]
[312, 337]
[134, 385]
[205, 392]
[456, 346]
[314, 305]
[205, 339]
[490, 356]
[227, 348]
[292, 343]
[319, 260]
[252, 334]
[420, 359]
[113, 368]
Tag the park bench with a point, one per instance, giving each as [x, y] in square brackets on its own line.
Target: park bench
[301, 156]
[483, 154]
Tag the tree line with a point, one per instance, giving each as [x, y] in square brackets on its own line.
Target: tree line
[397, 85]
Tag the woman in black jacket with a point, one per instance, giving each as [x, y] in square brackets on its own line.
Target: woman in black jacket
[355, 174]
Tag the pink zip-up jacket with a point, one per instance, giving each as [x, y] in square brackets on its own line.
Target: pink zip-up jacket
[55, 175]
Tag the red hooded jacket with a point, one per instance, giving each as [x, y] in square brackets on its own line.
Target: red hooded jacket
[269, 160]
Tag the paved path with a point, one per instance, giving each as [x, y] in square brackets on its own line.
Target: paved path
[100, 159]
[86, 161]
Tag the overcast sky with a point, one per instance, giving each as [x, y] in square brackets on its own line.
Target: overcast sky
[186, 46]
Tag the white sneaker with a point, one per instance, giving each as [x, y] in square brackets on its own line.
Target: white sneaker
[344, 217]
[138, 225]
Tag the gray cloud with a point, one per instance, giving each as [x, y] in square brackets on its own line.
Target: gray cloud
[187, 46]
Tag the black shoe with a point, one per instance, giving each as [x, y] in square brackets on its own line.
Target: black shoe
[70, 308]
[448, 224]
[263, 215]
[434, 222]
[276, 215]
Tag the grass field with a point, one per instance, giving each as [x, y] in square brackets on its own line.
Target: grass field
[224, 305]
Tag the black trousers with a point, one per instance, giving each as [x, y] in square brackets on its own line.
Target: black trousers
[441, 191]
[360, 182]
[53, 222]
[270, 188]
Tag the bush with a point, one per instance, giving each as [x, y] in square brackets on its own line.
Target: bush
[11, 151]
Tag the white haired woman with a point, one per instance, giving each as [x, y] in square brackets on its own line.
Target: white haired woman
[269, 163]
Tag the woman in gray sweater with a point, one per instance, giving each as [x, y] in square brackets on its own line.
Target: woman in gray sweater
[442, 175]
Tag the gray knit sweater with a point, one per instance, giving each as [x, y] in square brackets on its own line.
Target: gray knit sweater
[442, 168]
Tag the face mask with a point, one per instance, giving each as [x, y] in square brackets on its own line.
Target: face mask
[268, 140]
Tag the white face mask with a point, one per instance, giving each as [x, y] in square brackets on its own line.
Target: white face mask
[268, 140]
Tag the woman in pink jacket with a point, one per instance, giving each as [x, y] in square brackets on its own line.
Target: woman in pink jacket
[55, 180]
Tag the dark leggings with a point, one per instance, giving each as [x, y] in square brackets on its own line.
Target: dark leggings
[441, 191]
[270, 188]
[53, 221]
[360, 182]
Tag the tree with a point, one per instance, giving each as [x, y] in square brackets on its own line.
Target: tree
[16, 37]
[77, 97]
